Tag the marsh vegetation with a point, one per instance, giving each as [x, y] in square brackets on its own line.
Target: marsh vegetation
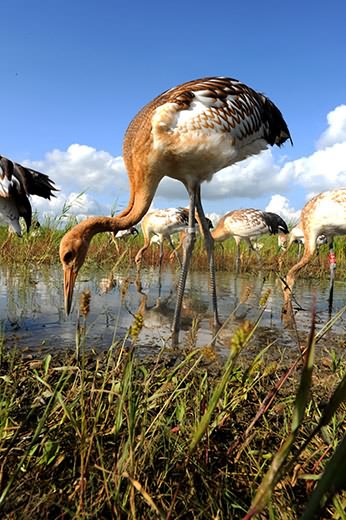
[221, 429]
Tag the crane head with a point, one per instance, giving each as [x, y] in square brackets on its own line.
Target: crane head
[73, 250]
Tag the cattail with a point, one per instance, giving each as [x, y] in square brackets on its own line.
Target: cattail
[84, 306]
[136, 326]
[245, 294]
[264, 298]
[240, 336]
[124, 287]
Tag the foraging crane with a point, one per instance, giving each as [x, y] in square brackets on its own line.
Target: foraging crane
[17, 183]
[324, 214]
[183, 234]
[245, 224]
[296, 236]
[123, 234]
[188, 133]
[161, 223]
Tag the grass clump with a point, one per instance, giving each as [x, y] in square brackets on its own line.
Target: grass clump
[41, 247]
[177, 436]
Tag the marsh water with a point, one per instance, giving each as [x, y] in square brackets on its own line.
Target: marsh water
[32, 307]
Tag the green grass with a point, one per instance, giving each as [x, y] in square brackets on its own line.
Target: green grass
[42, 247]
[183, 435]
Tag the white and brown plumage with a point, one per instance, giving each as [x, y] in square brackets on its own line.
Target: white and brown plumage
[161, 223]
[296, 236]
[325, 215]
[123, 235]
[247, 224]
[17, 183]
[188, 133]
[183, 234]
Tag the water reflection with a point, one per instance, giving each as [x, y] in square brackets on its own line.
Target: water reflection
[32, 306]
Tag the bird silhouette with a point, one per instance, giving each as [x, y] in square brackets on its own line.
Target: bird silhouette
[188, 133]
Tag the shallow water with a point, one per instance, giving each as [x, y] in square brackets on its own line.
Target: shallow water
[32, 312]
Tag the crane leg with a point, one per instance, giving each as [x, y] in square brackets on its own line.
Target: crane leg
[174, 251]
[237, 258]
[332, 269]
[189, 243]
[160, 266]
[209, 243]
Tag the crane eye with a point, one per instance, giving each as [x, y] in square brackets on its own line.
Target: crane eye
[68, 257]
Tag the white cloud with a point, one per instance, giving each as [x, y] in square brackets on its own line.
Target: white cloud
[322, 170]
[83, 168]
[92, 181]
[251, 178]
[281, 205]
[80, 205]
[336, 131]
[102, 179]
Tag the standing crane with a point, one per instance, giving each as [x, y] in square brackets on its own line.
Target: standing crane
[246, 224]
[122, 235]
[188, 133]
[324, 214]
[183, 234]
[17, 183]
[161, 223]
[296, 236]
[158, 225]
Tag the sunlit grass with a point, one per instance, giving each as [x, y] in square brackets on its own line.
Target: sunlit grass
[184, 434]
[41, 246]
[110, 435]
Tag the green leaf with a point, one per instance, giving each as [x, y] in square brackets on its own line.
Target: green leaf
[332, 480]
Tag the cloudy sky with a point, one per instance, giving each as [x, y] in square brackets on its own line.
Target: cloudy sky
[74, 73]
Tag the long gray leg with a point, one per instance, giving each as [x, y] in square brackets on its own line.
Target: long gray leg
[174, 250]
[189, 243]
[332, 269]
[237, 258]
[252, 248]
[160, 266]
[209, 244]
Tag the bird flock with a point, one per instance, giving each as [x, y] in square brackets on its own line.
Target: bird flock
[188, 133]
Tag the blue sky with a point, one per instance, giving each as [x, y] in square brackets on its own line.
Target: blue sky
[74, 73]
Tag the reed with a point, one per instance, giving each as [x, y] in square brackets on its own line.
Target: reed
[41, 247]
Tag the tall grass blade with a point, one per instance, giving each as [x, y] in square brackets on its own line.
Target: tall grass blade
[145, 495]
[41, 423]
[240, 338]
[333, 480]
[330, 324]
[305, 381]
[273, 475]
[338, 397]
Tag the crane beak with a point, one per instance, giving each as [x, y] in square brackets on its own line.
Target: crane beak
[69, 281]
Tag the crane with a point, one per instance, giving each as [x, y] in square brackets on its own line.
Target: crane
[161, 223]
[296, 236]
[188, 133]
[246, 224]
[122, 235]
[324, 214]
[17, 183]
